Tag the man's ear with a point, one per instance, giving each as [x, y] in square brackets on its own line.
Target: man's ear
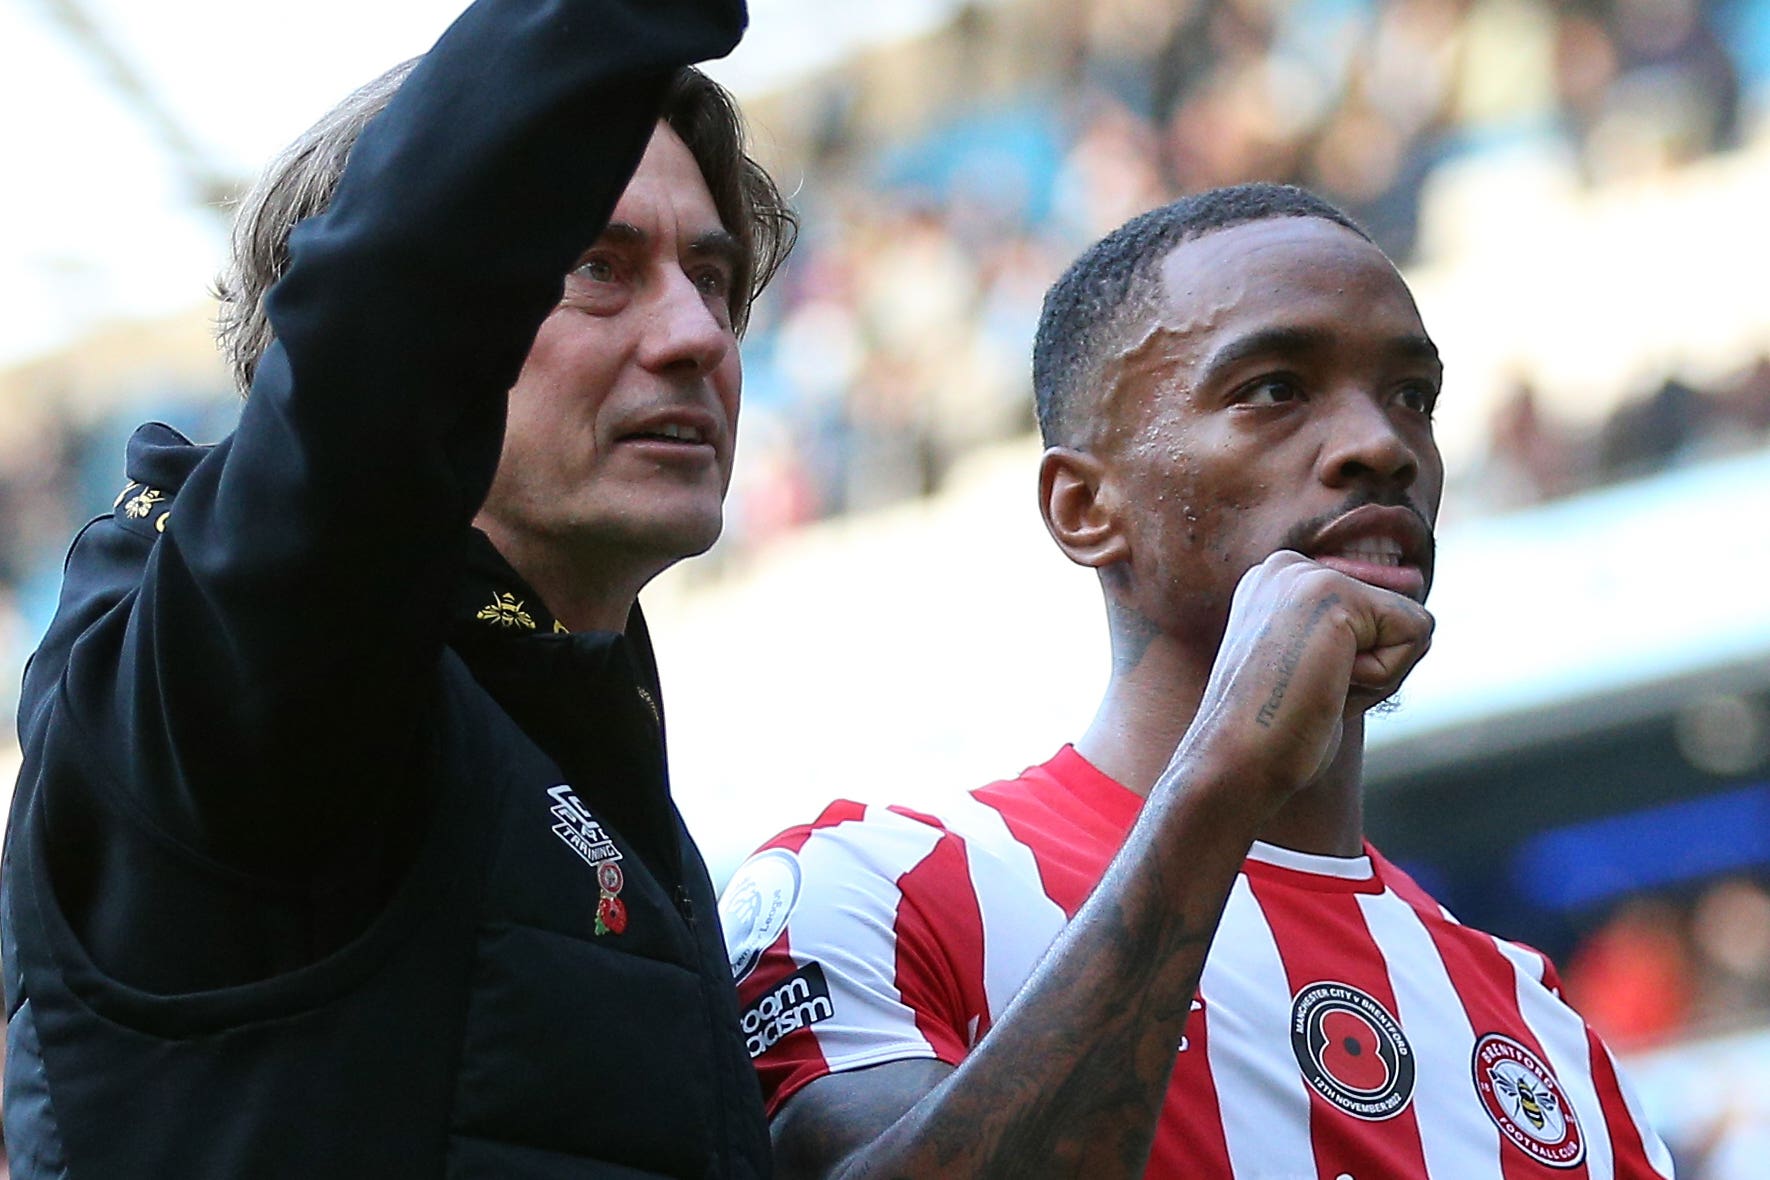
[1080, 508]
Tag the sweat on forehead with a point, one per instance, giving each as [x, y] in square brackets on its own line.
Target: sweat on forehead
[1092, 311]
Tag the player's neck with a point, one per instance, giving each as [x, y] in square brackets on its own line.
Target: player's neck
[1148, 704]
[1326, 816]
[1145, 713]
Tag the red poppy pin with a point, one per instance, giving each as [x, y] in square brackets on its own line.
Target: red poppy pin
[611, 911]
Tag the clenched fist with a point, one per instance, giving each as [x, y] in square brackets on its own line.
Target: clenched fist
[1305, 647]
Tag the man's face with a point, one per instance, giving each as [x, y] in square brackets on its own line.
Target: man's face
[1281, 399]
[621, 425]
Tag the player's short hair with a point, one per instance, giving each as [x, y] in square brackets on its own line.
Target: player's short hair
[1100, 300]
[302, 180]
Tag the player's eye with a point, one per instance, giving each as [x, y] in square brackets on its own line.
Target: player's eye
[1418, 396]
[1275, 390]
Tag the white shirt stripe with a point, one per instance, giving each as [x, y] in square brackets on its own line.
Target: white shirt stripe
[850, 924]
[1562, 1034]
[1019, 921]
[1458, 1138]
[1262, 1097]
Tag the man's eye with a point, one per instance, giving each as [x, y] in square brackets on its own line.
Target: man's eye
[713, 282]
[1419, 398]
[1271, 391]
[596, 270]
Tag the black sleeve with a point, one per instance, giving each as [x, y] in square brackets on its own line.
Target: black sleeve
[259, 695]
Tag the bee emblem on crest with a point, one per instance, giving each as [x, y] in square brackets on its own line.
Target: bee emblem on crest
[506, 610]
[1525, 1101]
[1535, 1105]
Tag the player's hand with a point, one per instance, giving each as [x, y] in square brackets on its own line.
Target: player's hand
[1305, 647]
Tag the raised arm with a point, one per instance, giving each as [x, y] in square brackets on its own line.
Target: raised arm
[278, 652]
[1071, 1079]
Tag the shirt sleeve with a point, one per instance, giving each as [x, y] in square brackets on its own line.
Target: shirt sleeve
[258, 694]
[840, 958]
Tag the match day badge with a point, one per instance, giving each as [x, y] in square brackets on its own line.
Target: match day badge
[755, 906]
[611, 911]
[1526, 1103]
[1352, 1051]
[583, 835]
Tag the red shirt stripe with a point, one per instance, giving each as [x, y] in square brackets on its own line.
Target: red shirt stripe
[940, 951]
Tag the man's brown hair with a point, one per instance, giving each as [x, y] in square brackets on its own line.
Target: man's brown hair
[302, 180]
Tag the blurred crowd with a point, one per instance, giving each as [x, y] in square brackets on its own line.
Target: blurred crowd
[1659, 969]
[1531, 456]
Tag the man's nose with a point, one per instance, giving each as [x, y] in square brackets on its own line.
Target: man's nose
[1366, 444]
[686, 330]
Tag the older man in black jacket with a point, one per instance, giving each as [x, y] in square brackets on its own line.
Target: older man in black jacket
[344, 845]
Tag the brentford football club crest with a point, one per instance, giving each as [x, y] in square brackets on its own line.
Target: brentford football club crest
[1352, 1051]
[1526, 1103]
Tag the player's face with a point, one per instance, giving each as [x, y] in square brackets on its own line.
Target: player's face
[621, 426]
[1281, 399]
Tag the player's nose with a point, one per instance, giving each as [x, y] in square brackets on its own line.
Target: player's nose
[1365, 443]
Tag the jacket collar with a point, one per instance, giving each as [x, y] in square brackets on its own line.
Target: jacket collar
[496, 614]
[589, 699]
[494, 596]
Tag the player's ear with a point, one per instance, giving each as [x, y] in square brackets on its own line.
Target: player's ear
[1080, 508]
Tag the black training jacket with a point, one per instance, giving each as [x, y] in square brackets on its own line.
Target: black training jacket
[329, 856]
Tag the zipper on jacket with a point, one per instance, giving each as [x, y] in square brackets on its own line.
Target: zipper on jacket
[685, 905]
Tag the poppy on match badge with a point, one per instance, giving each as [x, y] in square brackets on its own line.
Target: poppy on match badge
[611, 911]
[1352, 1051]
[611, 915]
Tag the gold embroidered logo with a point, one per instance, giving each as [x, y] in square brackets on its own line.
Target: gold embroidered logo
[506, 610]
[138, 506]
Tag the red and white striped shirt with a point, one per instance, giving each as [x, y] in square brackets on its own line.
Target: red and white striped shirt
[1346, 1026]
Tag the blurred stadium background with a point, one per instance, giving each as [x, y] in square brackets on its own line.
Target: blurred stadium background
[1577, 191]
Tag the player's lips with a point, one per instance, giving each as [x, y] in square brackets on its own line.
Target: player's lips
[1385, 546]
[683, 430]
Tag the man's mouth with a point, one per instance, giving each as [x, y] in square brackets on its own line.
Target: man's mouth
[1382, 545]
[1372, 551]
[668, 432]
[683, 431]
